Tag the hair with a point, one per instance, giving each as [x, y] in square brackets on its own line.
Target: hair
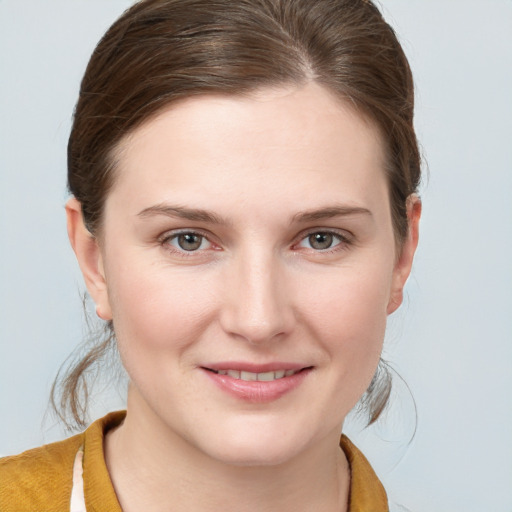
[161, 51]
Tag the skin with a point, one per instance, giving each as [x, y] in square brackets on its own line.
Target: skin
[271, 170]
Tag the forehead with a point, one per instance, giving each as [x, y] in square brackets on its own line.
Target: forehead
[285, 144]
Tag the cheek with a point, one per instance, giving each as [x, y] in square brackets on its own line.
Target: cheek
[349, 301]
[155, 310]
[349, 316]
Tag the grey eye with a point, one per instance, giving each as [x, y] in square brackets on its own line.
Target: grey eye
[320, 241]
[189, 241]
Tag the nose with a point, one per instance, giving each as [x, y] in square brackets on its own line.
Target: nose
[258, 305]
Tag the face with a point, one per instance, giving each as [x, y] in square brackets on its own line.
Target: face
[248, 261]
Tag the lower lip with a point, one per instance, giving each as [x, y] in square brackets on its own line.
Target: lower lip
[257, 391]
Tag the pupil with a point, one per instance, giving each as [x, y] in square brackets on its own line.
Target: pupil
[320, 240]
[189, 241]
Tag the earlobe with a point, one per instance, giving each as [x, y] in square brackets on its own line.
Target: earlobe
[403, 264]
[89, 258]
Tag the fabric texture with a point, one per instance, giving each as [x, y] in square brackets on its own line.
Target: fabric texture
[40, 480]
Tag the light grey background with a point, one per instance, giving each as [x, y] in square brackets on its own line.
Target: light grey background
[452, 340]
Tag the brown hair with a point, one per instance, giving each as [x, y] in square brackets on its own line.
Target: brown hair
[160, 51]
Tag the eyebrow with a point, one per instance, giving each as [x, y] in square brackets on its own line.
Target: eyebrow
[181, 212]
[330, 212]
[200, 215]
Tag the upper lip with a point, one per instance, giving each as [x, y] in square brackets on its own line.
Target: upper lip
[254, 367]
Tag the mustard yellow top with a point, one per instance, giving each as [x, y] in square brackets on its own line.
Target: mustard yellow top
[40, 480]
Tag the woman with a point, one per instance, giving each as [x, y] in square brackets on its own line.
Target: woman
[244, 212]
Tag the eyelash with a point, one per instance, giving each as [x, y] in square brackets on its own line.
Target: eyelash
[343, 241]
[166, 240]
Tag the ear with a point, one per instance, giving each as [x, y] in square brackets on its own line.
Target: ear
[89, 258]
[403, 264]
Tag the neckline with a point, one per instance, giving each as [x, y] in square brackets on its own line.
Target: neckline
[366, 491]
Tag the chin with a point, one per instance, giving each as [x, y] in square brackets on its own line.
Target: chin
[255, 454]
[256, 443]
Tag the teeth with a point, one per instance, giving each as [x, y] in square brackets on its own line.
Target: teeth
[267, 376]
[262, 377]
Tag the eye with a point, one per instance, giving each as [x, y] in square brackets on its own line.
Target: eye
[321, 240]
[189, 242]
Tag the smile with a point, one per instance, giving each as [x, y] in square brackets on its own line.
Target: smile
[251, 376]
[263, 384]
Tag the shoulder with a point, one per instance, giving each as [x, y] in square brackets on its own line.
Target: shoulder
[39, 478]
[366, 490]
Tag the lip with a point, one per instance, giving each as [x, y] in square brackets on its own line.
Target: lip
[256, 391]
[254, 367]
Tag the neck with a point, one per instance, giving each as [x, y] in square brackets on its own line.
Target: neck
[154, 469]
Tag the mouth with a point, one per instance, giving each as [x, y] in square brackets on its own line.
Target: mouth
[247, 376]
[257, 383]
